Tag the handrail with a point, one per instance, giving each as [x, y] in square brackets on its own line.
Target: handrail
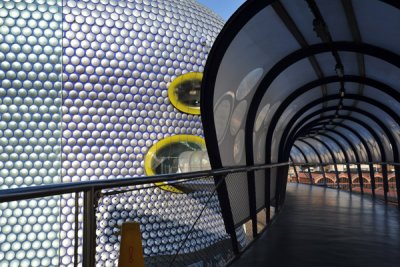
[91, 189]
[7, 195]
[343, 163]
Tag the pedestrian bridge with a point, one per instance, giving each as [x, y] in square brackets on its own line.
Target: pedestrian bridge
[299, 104]
[325, 227]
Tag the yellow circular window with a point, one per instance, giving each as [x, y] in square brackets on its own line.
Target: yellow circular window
[172, 154]
[184, 92]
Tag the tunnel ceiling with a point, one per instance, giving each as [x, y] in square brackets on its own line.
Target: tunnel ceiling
[310, 80]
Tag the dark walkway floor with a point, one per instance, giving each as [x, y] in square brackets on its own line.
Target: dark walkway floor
[325, 227]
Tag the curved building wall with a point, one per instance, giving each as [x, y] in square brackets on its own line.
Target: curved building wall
[30, 132]
[84, 96]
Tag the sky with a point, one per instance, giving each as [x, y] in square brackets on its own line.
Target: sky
[224, 8]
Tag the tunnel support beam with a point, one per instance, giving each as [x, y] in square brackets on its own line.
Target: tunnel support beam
[319, 158]
[362, 98]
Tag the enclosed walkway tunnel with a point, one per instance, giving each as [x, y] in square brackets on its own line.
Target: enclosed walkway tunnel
[314, 83]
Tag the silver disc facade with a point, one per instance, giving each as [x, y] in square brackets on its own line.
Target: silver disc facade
[84, 95]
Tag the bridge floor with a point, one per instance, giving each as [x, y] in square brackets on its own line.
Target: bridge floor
[326, 227]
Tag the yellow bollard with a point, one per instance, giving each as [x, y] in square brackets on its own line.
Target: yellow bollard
[131, 251]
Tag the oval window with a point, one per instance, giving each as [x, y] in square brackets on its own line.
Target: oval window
[172, 155]
[184, 92]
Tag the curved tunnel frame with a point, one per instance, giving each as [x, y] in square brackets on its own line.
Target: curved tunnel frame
[318, 155]
[378, 141]
[229, 32]
[350, 144]
[383, 54]
[335, 162]
[360, 98]
[371, 116]
[294, 57]
[306, 160]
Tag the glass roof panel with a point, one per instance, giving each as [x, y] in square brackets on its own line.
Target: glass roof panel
[310, 154]
[351, 88]
[373, 147]
[344, 144]
[382, 97]
[336, 150]
[377, 22]
[266, 39]
[335, 19]
[353, 139]
[382, 71]
[349, 61]
[333, 88]
[324, 153]
[303, 20]
[296, 155]
[327, 63]
[382, 117]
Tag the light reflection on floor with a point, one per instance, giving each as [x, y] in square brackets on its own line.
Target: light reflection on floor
[327, 227]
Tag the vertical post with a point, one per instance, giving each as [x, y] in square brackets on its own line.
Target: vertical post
[252, 200]
[284, 171]
[397, 175]
[385, 181]
[267, 199]
[226, 210]
[89, 228]
[309, 174]
[360, 178]
[372, 176]
[323, 174]
[295, 173]
[349, 176]
[280, 191]
[76, 238]
[277, 190]
[337, 176]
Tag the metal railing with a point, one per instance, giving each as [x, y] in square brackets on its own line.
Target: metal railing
[201, 193]
[178, 229]
[378, 179]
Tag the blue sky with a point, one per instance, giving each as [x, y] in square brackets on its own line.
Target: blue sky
[224, 8]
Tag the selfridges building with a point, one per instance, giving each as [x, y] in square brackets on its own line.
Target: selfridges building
[102, 89]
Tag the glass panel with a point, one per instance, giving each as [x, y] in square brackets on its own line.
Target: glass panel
[260, 188]
[385, 119]
[355, 178]
[380, 180]
[366, 180]
[248, 83]
[392, 194]
[317, 175]
[261, 220]
[330, 174]
[245, 234]
[176, 154]
[343, 177]
[292, 174]
[304, 175]
[373, 93]
[184, 92]
[366, 135]
[238, 196]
